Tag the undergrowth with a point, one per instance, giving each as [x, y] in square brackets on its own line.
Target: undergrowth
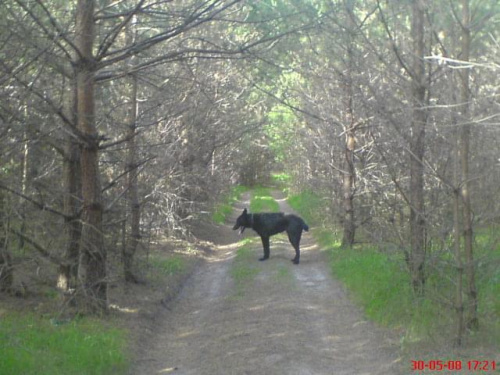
[169, 266]
[223, 209]
[38, 346]
[310, 205]
[379, 281]
[281, 180]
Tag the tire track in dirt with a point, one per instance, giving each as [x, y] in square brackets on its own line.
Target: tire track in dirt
[290, 320]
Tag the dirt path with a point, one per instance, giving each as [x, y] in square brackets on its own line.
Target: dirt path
[290, 320]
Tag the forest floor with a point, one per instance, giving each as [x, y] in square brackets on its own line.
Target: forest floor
[285, 319]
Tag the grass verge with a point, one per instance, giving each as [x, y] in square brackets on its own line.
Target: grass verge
[310, 205]
[380, 283]
[224, 209]
[169, 266]
[32, 345]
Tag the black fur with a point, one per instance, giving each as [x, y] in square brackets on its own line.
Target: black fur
[269, 224]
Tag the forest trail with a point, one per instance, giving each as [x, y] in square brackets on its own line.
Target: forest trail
[288, 320]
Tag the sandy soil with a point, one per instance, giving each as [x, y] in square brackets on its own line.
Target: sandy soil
[288, 320]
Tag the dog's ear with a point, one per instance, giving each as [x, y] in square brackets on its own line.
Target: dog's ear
[245, 211]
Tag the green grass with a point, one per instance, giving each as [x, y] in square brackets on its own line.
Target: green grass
[379, 281]
[244, 269]
[380, 284]
[281, 180]
[225, 208]
[262, 201]
[487, 256]
[310, 205]
[169, 266]
[32, 345]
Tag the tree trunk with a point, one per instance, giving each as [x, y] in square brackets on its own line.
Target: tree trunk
[472, 319]
[349, 173]
[24, 181]
[6, 271]
[71, 170]
[92, 267]
[133, 201]
[459, 304]
[68, 272]
[348, 188]
[418, 122]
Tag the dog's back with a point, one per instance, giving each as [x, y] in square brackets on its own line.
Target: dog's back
[268, 224]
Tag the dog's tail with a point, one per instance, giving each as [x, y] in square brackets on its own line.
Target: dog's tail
[304, 225]
[296, 220]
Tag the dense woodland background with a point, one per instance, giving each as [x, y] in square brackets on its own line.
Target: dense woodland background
[125, 120]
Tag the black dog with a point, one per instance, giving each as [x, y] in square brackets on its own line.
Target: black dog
[269, 224]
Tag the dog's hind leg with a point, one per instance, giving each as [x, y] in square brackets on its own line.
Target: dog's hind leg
[267, 250]
[294, 237]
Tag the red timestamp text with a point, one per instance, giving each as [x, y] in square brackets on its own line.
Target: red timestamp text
[458, 365]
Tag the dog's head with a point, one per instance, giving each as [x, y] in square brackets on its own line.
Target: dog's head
[243, 221]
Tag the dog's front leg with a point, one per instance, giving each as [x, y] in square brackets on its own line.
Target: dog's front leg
[265, 244]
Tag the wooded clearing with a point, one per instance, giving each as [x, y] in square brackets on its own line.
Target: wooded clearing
[127, 123]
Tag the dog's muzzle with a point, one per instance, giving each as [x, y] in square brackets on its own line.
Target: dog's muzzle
[241, 229]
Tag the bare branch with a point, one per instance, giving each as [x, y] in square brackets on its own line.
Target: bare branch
[41, 206]
[111, 37]
[42, 250]
[54, 36]
[196, 19]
